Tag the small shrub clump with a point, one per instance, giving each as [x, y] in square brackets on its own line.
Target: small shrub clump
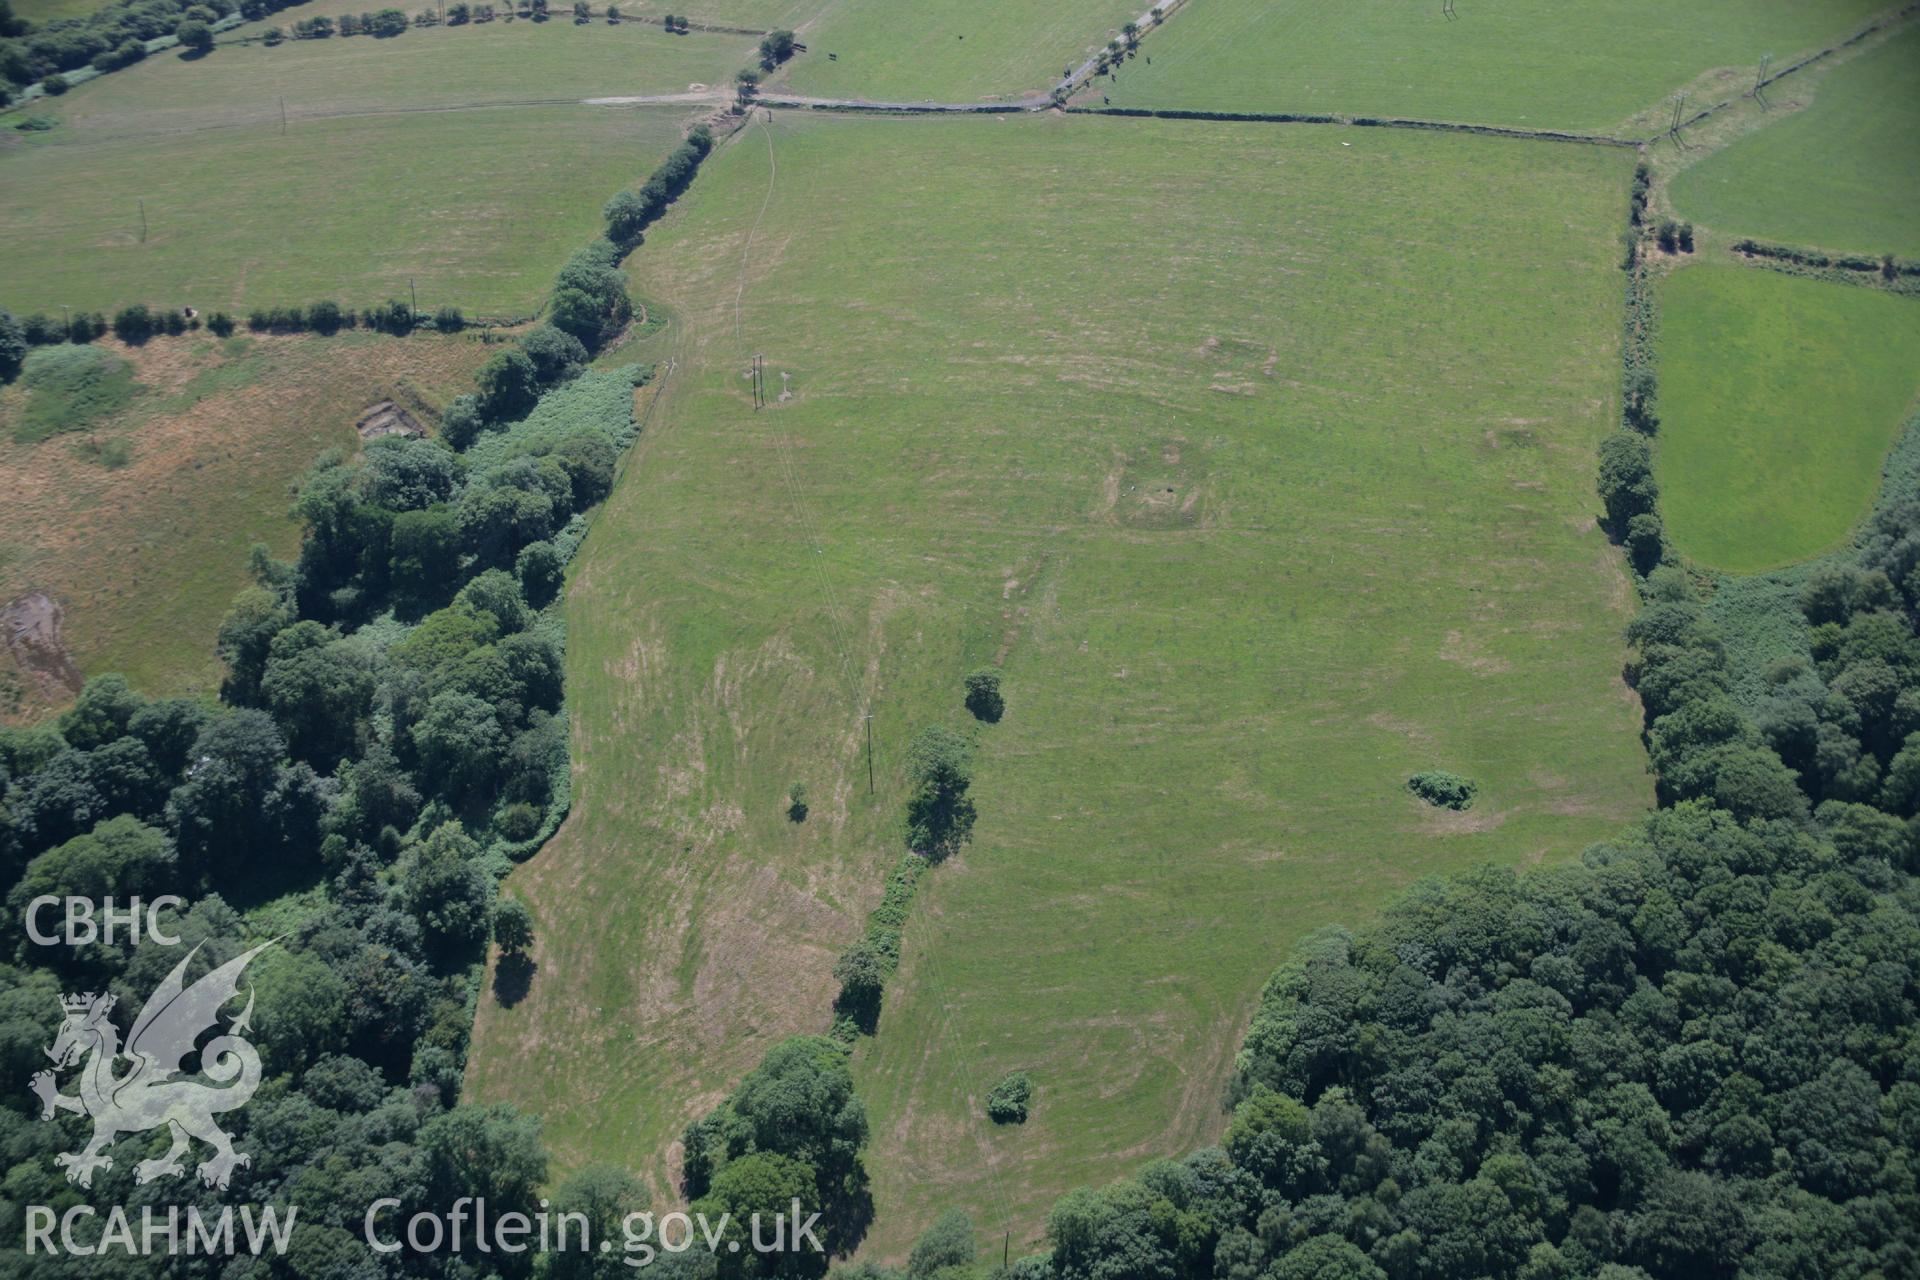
[1007, 1101]
[1442, 789]
[983, 695]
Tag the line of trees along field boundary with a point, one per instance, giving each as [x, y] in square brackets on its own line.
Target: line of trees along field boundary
[1365, 122]
[1885, 272]
[629, 213]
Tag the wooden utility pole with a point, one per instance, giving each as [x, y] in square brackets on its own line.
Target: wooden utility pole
[869, 753]
[283, 115]
[414, 312]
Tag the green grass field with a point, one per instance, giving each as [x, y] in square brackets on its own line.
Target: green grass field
[1840, 174]
[437, 67]
[951, 50]
[402, 158]
[345, 208]
[1264, 485]
[1779, 398]
[1536, 63]
[41, 12]
[757, 15]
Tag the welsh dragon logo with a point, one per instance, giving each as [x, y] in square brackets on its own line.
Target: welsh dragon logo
[151, 1092]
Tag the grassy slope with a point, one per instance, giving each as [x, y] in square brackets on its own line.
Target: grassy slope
[1538, 63]
[1779, 398]
[757, 15]
[952, 50]
[338, 208]
[344, 204]
[41, 12]
[1840, 174]
[494, 62]
[145, 558]
[1378, 438]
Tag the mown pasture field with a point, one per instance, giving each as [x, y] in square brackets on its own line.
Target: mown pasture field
[1839, 174]
[1779, 398]
[403, 158]
[41, 12]
[348, 208]
[1534, 63]
[950, 50]
[144, 554]
[1263, 485]
[488, 64]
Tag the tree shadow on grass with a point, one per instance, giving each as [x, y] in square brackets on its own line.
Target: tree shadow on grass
[513, 978]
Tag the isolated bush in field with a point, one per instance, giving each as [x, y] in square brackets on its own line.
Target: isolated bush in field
[220, 324]
[1007, 1101]
[458, 13]
[940, 814]
[797, 802]
[512, 925]
[388, 22]
[195, 35]
[983, 695]
[13, 346]
[55, 85]
[775, 48]
[274, 36]
[1442, 789]
[449, 320]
